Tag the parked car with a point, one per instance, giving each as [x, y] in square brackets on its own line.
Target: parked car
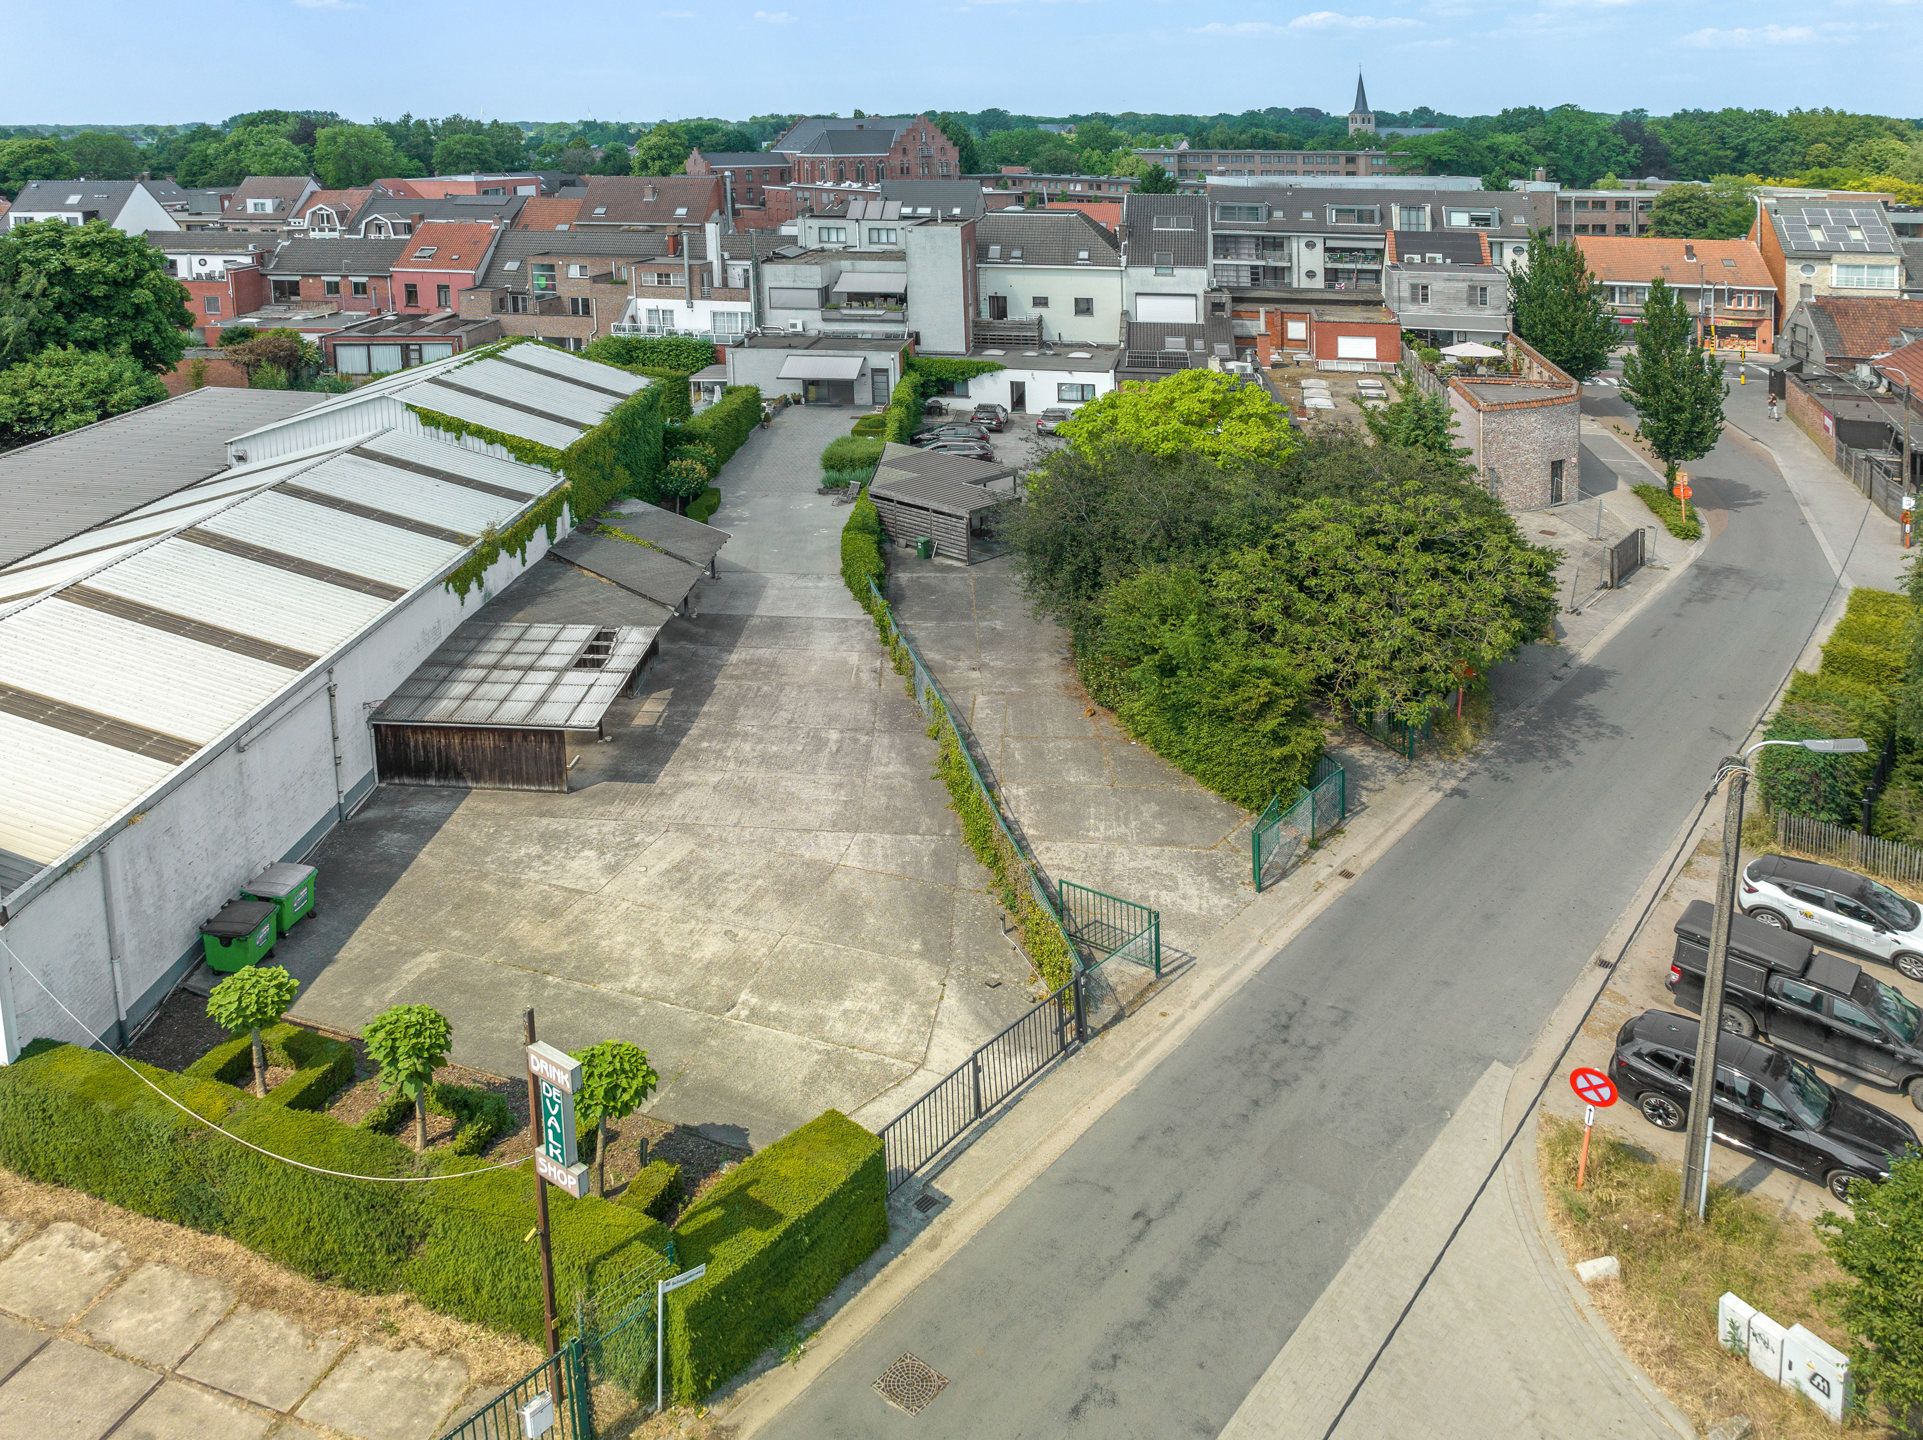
[1050, 420]
[969, 448]
[991, 416]
[933, 406]
[960, 430]
[1767, 1104]
[1781, 987]
[1835, 907]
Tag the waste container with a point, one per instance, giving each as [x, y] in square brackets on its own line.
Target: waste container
[240, 935]
[289, 888]
[924, 546]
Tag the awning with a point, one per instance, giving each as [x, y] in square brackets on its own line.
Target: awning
[870, 282]
[821, 367]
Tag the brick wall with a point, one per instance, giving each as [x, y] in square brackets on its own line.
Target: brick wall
[213, 371]
[1810, 415]
[1520, 444]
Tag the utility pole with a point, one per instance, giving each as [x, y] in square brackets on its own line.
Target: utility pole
[1702, 1085]
[541, 1205]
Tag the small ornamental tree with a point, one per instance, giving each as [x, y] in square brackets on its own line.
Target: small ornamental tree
[616, 1080]
[1416, 420]
[409, 1043]
[1559, 307]
[1675, 385]
[250, 1000]
[1878, 1244]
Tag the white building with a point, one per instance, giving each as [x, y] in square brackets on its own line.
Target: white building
[192, 704]
[1054, 270]
[1061, 377]
[127, 205]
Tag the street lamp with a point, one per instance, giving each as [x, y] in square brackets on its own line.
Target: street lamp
[1702, 1086]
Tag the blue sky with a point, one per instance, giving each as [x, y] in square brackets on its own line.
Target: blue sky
[129, 60]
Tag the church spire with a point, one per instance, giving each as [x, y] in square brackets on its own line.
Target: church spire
[1361, 98]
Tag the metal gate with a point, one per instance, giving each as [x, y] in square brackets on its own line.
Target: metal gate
[1627, 556]
[563, 1380]
[1280, 834]
[1112, 927]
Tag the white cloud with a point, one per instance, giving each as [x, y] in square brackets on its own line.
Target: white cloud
[775, 17]
[1334, 20]
[1747, 37]
[1240, 27]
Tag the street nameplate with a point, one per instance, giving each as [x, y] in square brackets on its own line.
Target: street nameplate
[554, 1067]
[686, 1277]
[571, 1178]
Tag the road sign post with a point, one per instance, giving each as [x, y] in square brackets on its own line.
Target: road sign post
[534, 1083]
[1593, 1088]
[661, 1289]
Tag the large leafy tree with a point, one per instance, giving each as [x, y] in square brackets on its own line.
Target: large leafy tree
[32, 159]
[63, 388]
[1675, 386]
[1390, 599]
[1559, 307]
[1209, 413]
[464, 155]
[408, 1043]
[1155, 181]
[1721, 210]
[616, 1081]
[104, 155]
[662, 151]
[91, 287]
[1418, 421]
[348, 155]
[248, 1001]
[260, 150]
[1878, 1245]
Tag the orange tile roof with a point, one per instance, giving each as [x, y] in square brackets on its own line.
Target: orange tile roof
[1905, 366]
[457, 245]
[344, 203]
[1636, 260]
[547, 212]
[1867, 325]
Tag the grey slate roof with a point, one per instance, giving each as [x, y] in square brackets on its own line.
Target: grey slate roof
[952, 484]
[313, 255]
[589, 245]
[943, 199]
[109, 197]
[208, 242]
[1044, 237]
[284, 190]
[741, 159]
[54, 489]
[454, 207]
[1143, 240]
[1214, 336]
[824, 135]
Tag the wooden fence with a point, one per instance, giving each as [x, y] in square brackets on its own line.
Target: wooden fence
[1889, 859]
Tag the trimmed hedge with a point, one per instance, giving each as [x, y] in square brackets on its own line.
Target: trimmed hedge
[1668, 509]
[861, 557]
[870, 425]
[322, 1067]
[479, 1116]
[703, 506]
[778, 1233]
[655, 1191]
[78, 1118]
[725, 425]
[851, 452]
[641, 353]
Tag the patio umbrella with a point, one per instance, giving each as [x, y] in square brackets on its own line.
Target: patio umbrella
[1472, 350]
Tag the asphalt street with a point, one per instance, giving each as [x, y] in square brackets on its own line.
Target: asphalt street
[1141, 1286]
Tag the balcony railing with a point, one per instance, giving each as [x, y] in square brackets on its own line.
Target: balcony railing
[631, 328]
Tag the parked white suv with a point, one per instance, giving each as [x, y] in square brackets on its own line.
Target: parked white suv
[1834, 907]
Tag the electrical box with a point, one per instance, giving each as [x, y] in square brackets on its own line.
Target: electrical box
[1732, 1323]
[1818, 1371]
[537, 1416]
[1766, 1346]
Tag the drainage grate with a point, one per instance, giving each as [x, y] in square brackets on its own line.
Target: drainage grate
[911, 1384]
[926, 1205]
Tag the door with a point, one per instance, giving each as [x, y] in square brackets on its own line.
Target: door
[997, 307]
[1859, 1039]
[1853, 925]
[1555, 482]
[1018, 397]
[1777, 1134]
[878, 387]
[1735, 1114]
[1812, 912]
[1795, 1017]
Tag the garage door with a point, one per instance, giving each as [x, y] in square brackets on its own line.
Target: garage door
[1165, 309]
[1355, 347]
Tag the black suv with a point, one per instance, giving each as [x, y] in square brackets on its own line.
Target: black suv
[1767, 1104]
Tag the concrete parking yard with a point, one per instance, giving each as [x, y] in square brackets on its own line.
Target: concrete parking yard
[756, 878]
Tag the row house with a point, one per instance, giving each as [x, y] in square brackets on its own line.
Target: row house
[1818, 248]
[1047, 276]
[1021, 182]
[266, 202]
[1174, 317]
[1724, 283]
[340, 274]
[1848, 334]
[223, 274]
[1446, 286]
[130, 206]
[330, 212]
[441, 260]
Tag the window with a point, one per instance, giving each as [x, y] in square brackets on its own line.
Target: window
[358, 288]
[330, 287]
[1164, 262]
[1803, 997]
[511, 265]
[1479, 295]
[1296, 329]
[1864, 277]
[580, 305]
[730, 323]
[1174, 222]
[1622, 204]
[1038, 302]
[1084, 305]
[1355, 215]
[1475, 219]
[1081, 257]
[411, 294]
[880, 235]
[680, 212]
[211, 304]
[1256, 213]
[1015, 252]
[260, 207]
[1074, 394]
[1848, 1016]
[443, 297]
[542, 277]
[577, 272]
[426, 252]
[832, 235]
[994, 252]
[1418, 294]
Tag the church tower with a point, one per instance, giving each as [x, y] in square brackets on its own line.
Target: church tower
[1361, 117]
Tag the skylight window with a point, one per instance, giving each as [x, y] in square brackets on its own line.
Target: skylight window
[426, 252]
[680, 210]
[1081, 257]
[512, 265]
[600, 209]
[1016, 253]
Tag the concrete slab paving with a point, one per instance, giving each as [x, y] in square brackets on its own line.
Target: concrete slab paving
[11, 1232]
[158, 1314]
[230, 1358]
[69, 1392]
[55, 1275]
[380, 1394]
[18, 1340]
[744, 877]
[179, 1411]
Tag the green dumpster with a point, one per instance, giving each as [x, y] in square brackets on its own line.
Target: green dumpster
[289, 888]
[925, 546]
[242, 934]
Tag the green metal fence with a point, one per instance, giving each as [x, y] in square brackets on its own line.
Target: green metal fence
[1112, 927]
[1401, 736]
[1283, 832]
[564, 1380]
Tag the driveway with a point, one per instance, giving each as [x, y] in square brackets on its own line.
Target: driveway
[756, 878]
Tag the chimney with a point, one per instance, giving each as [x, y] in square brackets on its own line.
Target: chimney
[1689, 252]
[1542, 174]
[647, 192]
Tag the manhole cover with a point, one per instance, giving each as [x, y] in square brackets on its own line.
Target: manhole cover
[911, 1384]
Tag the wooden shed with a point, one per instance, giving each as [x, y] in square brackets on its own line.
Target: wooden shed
[945, 497]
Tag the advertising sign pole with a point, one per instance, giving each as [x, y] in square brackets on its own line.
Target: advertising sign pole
[541, 1201]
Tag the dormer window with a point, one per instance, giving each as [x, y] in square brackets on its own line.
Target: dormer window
[426, 252]
[1174, 222]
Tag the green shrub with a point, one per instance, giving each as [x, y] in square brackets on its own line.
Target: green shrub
[622, 456]
[777, 1234]
[1899, 809]
[851, 452]
[1824, 787]
[703, 506]
[322, 1066]
[871, 424]
[842, 479]
[479, 1116]
[699, 451]
[1668, 509]
[726, 424]
[652, 352]
[655, 1190]
[861, 557]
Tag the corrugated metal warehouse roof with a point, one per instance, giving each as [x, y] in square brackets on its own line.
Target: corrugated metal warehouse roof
[526, 676]
[111, 682]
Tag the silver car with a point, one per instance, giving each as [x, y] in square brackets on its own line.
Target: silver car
[1834, 907]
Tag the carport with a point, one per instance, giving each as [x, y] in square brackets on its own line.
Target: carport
[945, 497]
[618, 554]
[825, 379]
[677, 535]
[493, 707]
